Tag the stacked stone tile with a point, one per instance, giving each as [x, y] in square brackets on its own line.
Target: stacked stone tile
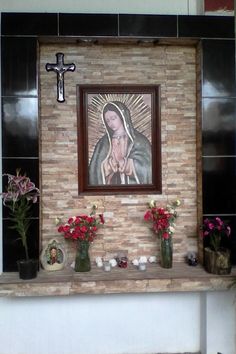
[172, 67]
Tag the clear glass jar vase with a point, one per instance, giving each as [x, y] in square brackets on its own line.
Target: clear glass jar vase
[82, 259]
[166, 252]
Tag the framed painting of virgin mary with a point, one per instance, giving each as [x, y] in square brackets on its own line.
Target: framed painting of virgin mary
[119, 139]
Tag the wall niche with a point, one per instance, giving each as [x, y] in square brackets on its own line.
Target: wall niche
[174, 69]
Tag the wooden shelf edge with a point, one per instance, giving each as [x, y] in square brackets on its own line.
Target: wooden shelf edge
[180, 278]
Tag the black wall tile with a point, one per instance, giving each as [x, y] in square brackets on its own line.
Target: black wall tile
[28, 166]
[19, 65]
[20, 127]
[148, 25]
[232, 223]
[88, 25]
[29, 24]
[34, 210]
[218, 68]
[12, 246]
[206, 26]
[219, 187]
[107, 24]
[219, 126]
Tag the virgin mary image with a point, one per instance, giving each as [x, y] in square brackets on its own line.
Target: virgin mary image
[123, 155]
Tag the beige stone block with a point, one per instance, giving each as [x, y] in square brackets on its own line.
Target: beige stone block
[174, 68]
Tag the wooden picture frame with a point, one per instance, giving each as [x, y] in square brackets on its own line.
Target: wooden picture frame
[119, 139]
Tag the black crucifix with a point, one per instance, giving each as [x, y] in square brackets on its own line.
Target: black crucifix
[60, 68]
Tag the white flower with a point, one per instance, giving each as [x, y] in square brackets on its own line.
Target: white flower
[171, 229]
[143, 259]
[113, 262]
[152, 259]
[57, 221]
[177, 202]
[152, 203]
[135, 262]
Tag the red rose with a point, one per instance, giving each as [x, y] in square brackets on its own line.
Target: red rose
[66, 228]
[70, 221]
[161, 211]
[147, 215]
[67, 235]
[90, 219]
[77, 220]
[60, 229]
[84, 229]
[165, 235]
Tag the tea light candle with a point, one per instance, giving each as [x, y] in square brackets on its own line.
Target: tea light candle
[142, 266]
[107, 266]
[99, 262]
[113, 262]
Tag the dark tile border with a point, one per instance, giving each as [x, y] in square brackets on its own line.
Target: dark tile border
[206, 26]
[40, 24]
[148, 25]
[88, 25]
[115, 25]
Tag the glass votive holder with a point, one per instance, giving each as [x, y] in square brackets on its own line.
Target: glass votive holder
[106, 266]
[142, 266]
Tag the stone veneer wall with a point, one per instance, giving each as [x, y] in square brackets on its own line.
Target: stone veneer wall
[174, 68]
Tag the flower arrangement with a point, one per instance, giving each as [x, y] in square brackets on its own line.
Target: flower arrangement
[163, 219]
[214, 230]
[19, 196]
[82, 227]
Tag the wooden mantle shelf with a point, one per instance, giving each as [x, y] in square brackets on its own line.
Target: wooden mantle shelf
[155, 279]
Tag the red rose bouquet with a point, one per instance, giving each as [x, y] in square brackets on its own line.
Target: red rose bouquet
[163, 225]
[82, 227]
[162, 219]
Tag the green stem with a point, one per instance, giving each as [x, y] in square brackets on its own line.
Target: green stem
[24, 243]
[21, 222]
[215, 242]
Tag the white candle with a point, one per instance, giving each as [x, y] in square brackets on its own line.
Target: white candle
[142, 266]
[107, 266]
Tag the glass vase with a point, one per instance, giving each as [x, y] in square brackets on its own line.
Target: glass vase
[166, 252]
[82, 259]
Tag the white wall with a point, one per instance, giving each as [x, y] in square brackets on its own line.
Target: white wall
[101, 324]
[183, 7]
[221, 324]
[119, 324]
[115, 324]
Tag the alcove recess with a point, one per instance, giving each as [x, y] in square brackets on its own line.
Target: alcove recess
[174, 64]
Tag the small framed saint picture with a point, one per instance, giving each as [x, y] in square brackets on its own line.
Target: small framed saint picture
[119, 139]
[53, 256]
